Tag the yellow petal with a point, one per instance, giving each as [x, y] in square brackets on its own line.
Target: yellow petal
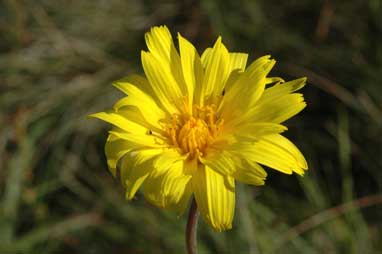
[160, 44]
[137, 80]
[145, 154]
[270, 80]
[135, 168]
[254, 79]
[181, 206]
[263, 153]
[134, 114]
[220, 161]
[277, 104]
[192, 68]
[275, 92]
[206, 56]
[144, 140]
[166, 190]
[237, 64]
[215, 197]
[115, 148]
[250, 173]
[219, 64]
[216, 72]
[247, 89]
[120, 122]
[145, 103]
[279, 156]
[254, 131]
[162, 82]
[287, 145]
[237, 61]
[233, 77]
[277, 111]
[166, 160]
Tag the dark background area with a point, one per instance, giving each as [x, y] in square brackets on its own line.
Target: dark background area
[57, 62]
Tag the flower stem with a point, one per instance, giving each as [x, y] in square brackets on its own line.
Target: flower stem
[191, 230]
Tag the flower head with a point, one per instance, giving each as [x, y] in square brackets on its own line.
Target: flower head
[195, 125]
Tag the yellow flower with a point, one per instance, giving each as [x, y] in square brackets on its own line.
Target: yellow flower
[195, 125]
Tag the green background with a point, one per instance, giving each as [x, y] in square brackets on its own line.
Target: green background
[57, 61]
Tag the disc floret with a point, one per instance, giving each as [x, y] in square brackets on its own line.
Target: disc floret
[194, 133]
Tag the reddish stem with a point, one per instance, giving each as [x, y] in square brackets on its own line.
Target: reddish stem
[191, 230]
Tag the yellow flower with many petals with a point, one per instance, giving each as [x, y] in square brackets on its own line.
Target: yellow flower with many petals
[195, 125]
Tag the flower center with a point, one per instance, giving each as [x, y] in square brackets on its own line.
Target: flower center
[193, 134]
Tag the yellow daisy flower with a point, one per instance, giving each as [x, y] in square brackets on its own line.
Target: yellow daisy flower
[195, 125]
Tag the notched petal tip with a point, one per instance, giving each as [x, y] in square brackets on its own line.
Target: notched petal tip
[298, 83]
[274, 80]
[221, 228]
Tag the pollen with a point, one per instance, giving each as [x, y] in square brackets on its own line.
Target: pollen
[194, 133]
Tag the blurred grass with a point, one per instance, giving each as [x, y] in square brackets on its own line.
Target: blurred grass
[57, 60]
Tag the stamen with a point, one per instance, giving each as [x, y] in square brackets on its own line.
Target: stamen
[193, 134]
